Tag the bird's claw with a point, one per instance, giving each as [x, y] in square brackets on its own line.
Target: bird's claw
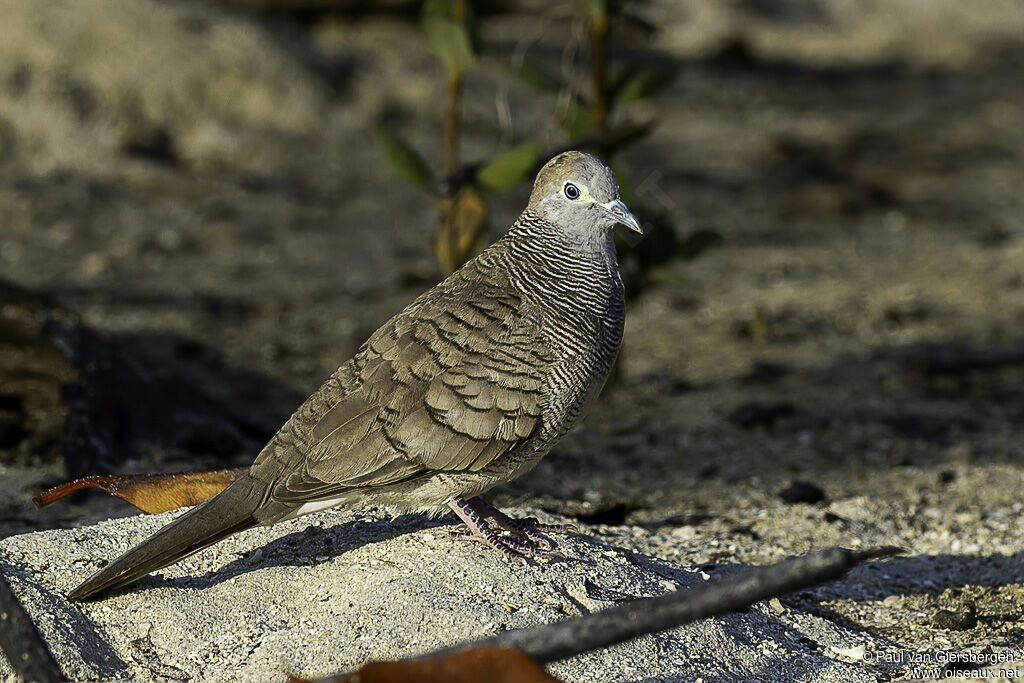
[532, 524]
[523, 537]
[518, 545]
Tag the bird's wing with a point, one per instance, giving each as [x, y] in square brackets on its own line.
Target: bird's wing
[450, 384]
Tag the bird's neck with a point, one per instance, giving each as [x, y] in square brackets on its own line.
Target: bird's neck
[556, 270]
[589, 243]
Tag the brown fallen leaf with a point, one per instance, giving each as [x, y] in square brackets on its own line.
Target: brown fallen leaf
[151, 493]
[461, 230]
[492, 664]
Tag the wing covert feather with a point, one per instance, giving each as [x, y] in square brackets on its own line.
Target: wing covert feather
[450, 384]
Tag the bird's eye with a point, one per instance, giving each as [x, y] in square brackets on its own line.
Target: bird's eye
[571, 191]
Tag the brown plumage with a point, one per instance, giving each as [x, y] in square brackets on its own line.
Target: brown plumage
[450, 385]
[466, 388]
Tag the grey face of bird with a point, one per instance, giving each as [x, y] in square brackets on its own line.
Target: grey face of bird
[578, 193]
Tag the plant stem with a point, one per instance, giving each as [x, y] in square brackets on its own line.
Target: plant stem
[451, 155]
[599, 54]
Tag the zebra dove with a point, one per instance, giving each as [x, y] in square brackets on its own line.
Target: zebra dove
[467, 388]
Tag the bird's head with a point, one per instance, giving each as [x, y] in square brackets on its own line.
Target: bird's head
[578, 192]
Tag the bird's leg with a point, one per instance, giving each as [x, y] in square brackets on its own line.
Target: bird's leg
[512, 548]
[529, 528]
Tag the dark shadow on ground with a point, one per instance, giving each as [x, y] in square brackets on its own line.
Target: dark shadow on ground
[311, 547]
[926, 574]
[99, 399]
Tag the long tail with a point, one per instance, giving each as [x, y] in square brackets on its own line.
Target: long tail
[227, 513]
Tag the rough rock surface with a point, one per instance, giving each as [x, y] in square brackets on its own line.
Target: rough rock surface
[327, 592]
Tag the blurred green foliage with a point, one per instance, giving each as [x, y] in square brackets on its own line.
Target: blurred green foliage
[406, 161]
[591, 109]
[508, 168]
[446, 28]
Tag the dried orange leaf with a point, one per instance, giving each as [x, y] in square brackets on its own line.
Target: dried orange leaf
[151, 493]
[492, 664]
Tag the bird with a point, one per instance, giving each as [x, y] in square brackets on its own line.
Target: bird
[467, 388]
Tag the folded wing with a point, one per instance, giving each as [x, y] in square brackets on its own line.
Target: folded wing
[450, 385]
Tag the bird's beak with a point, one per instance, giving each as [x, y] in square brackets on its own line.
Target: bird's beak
[618, 212]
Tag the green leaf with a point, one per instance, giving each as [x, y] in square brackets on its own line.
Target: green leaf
[639, 82]
[444, 8]
[508, 168]
[403, 158]
[439, 8]
[449, 40]
[539, 76]
[593, 9]
[448, 36]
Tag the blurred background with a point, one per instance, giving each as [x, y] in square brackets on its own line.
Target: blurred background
[205, 207]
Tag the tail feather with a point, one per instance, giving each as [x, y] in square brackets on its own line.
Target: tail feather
[227, 513]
